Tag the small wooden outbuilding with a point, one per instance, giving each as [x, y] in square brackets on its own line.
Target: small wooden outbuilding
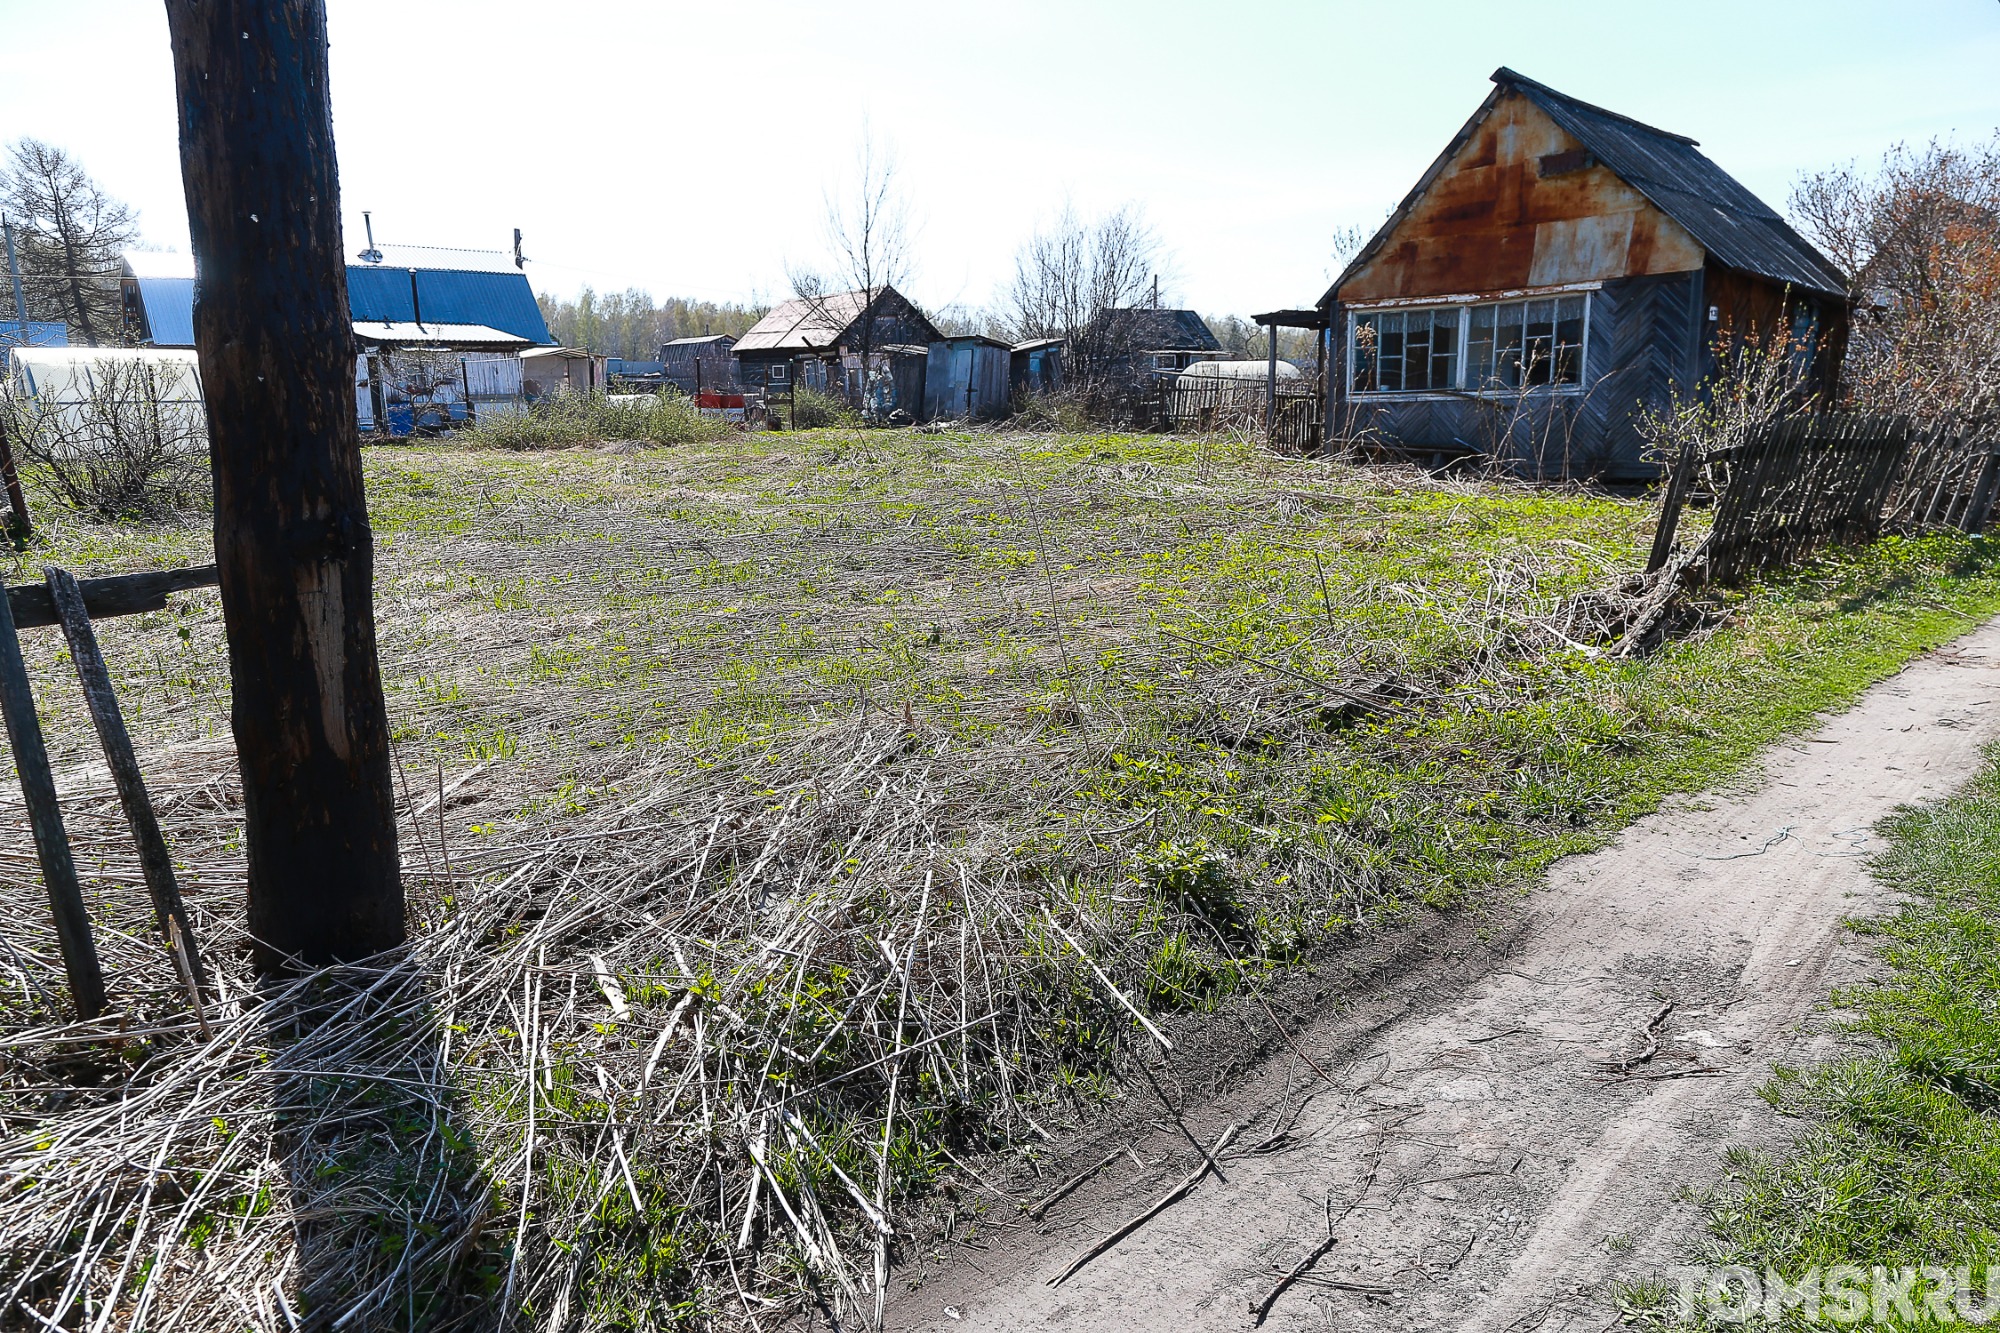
[1559, 271]
[1036, 366]
[966, 378]
[700, 365]
[840, 344]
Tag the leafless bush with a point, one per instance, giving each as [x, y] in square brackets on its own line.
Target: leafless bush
[1760, 378]
[1069, 273]
[1921, 237]
[1053, 411]
[131, 444]
[428, 380]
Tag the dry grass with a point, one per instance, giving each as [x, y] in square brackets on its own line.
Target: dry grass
[791, 822]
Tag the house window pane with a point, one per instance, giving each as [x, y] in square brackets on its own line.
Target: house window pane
[1367, 376]
[1569, 340]
[1479, 348]
[1390, 356]
[1417, 350]
[1444, 348]
[1507, 349]
[1539, 341]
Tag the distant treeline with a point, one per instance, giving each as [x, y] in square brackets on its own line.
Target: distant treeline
[632, 325]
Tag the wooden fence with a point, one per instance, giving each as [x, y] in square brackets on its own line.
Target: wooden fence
[1799, 485]
[71, 603]
[1209, 405]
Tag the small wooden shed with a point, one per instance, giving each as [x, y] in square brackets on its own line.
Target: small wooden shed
[1037, 366]
[700, 365]
[967, 378]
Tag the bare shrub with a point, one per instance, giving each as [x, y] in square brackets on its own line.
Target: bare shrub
[1760, 378]
[812, 409]
[1062, 411]
[1921, 237]
[131, 445]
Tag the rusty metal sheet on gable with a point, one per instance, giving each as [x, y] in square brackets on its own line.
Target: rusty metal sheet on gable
[1508, 204]
[1732, 224]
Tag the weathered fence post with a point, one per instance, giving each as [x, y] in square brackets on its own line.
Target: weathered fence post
[38, 790]
[291, 523]
[1981, 506]
[1679, 482]
[102, 701]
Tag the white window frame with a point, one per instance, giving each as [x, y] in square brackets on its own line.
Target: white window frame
[778, 373]
[1465, 309]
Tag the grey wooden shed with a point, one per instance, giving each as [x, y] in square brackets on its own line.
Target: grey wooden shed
[967, 378]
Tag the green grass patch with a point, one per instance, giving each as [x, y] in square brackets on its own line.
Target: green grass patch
[1898, 1162]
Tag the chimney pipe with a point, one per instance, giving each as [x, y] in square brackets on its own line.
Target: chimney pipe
[416, 306]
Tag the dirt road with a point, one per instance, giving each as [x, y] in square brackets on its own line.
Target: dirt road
[1511, 1130]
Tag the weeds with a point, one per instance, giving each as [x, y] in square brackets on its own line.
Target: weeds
[813, 409]
[595, 418]
[1899, 1161]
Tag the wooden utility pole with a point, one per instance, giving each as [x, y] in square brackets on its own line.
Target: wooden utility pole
[291, 523]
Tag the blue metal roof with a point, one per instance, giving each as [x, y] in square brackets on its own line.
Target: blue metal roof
[169, 304]
[501, 301]
[36, 333]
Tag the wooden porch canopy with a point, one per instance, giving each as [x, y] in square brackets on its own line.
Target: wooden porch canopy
[1291, 319]
[1274, 320]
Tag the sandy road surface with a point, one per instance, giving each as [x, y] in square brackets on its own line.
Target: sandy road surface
[1488, 1163]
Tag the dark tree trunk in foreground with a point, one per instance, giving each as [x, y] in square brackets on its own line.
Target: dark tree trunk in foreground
[291, 524]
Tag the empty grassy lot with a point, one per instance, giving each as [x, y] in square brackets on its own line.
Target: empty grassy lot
[796, 818]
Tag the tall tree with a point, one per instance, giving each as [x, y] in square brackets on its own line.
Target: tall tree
[291, 521]
[1919, 237]
[72, 237]
[868, 240]
[1074, 269]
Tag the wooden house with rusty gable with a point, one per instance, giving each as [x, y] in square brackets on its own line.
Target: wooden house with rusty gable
[1559, 270]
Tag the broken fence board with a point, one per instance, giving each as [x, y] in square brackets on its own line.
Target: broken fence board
[38, 789]
[119, 595]
[105, 715]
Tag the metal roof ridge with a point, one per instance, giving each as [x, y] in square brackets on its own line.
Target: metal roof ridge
[1508, 78]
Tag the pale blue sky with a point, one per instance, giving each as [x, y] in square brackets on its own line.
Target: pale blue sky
[684, 147]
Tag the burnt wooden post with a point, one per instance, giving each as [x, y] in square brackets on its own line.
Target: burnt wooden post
[291, 523]
[38, 790]
[105, 715]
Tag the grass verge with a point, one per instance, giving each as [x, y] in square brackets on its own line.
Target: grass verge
[1898, 1164]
